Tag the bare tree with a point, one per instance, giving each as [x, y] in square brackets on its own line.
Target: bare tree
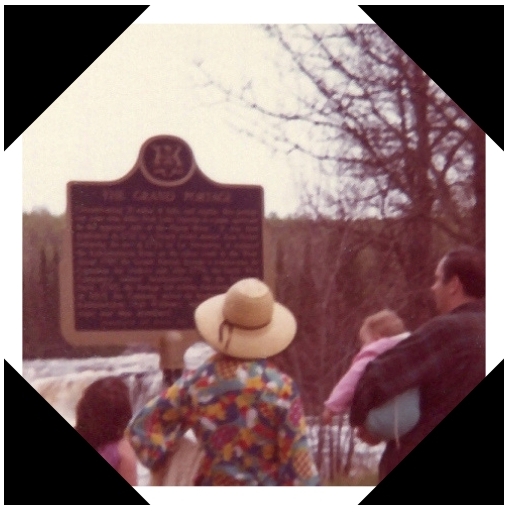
[385, 139]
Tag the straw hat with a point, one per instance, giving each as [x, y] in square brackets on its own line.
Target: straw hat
[245, 321]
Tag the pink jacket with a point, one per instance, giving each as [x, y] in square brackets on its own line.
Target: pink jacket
[341, 396]
[111, 454]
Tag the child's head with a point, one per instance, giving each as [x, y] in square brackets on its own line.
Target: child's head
[103, 412]
[383, 324]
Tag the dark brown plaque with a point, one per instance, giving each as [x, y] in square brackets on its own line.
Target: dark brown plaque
[148, 248]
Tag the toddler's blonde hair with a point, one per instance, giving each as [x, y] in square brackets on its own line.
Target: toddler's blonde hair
[385, 323]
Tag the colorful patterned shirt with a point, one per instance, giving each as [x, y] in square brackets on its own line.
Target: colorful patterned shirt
[247, 416]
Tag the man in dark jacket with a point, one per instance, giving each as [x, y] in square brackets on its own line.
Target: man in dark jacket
[444, 358]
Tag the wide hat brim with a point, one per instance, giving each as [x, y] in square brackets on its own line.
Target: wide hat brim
[259, 343]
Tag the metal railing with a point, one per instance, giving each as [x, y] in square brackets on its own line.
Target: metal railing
[338, 452]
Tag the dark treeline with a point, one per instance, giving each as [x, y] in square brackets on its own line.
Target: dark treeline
[42, 338]
[330, 273]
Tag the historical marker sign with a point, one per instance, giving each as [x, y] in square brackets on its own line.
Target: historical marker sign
[142, 252]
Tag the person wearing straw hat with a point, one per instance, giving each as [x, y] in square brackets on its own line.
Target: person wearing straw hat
[246, 414]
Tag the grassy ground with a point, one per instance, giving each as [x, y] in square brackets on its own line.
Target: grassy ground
[369, 479]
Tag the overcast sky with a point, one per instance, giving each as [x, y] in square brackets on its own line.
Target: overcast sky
[146, 84]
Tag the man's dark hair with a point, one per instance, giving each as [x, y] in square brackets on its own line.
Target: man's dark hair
[469, 264]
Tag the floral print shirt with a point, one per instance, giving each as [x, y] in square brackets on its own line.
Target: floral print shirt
[247, 416]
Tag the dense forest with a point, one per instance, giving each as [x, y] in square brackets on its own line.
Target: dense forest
[330, 273]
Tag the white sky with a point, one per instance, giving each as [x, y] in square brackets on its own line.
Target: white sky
[145, 84]
[140, 88]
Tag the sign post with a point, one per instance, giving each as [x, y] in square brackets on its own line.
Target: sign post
[140, 253]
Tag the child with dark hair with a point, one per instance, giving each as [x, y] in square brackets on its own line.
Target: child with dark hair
[102, 415]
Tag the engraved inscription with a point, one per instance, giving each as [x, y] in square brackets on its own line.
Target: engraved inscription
[147, 265]
[147, 249]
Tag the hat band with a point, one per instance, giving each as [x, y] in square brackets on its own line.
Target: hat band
[230, 326]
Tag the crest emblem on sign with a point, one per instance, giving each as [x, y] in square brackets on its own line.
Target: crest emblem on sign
[166, 160]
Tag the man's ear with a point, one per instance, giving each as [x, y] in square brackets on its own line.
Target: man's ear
[455, 286]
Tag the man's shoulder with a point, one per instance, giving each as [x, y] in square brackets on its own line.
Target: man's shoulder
[442, 332]
[477, 306]
[473, 310]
